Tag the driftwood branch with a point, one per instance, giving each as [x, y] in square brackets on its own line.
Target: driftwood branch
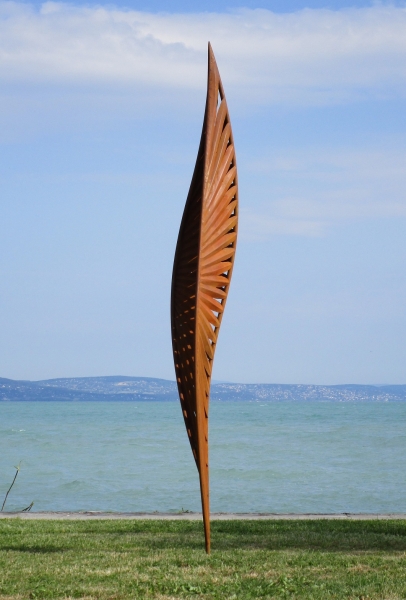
[27, 508]
[13, 482]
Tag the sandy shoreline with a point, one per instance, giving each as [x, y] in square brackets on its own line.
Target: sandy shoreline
[192, 516]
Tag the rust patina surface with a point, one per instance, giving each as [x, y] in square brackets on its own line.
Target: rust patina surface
[202, 272]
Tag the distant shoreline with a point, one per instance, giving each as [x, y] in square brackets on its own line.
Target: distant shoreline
[147, 389]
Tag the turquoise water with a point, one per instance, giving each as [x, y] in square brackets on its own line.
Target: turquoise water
[273, 457]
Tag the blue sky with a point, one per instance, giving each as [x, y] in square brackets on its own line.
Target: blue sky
[219, 6]
[101, 108]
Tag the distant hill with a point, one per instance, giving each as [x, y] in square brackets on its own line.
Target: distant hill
[84, 389]
[120, 388]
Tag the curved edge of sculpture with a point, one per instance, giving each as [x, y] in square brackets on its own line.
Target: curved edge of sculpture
[202, 271]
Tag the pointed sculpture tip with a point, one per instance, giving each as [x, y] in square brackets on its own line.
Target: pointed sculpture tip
[211, 57]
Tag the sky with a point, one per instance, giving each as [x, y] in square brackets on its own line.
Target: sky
[101, 108]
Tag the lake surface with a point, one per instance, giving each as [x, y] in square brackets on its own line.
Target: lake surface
[270, 457]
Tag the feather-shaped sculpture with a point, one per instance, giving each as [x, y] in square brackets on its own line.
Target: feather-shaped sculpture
[202, 271]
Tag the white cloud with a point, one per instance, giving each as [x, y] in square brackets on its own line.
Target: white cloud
[257, 227]
[308, 192]
[316, 56]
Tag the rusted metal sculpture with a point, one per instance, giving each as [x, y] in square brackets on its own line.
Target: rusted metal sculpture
[202, 271]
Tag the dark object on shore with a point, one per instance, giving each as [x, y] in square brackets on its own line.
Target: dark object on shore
[28, 508]
[202, 272]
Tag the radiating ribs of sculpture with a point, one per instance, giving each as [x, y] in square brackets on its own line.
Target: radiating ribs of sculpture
[202, 271]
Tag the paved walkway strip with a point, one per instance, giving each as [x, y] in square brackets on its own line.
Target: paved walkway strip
[196, 516]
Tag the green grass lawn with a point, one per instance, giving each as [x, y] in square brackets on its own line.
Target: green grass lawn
[166, 559]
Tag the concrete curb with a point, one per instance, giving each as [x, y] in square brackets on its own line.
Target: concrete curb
[192, 516]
